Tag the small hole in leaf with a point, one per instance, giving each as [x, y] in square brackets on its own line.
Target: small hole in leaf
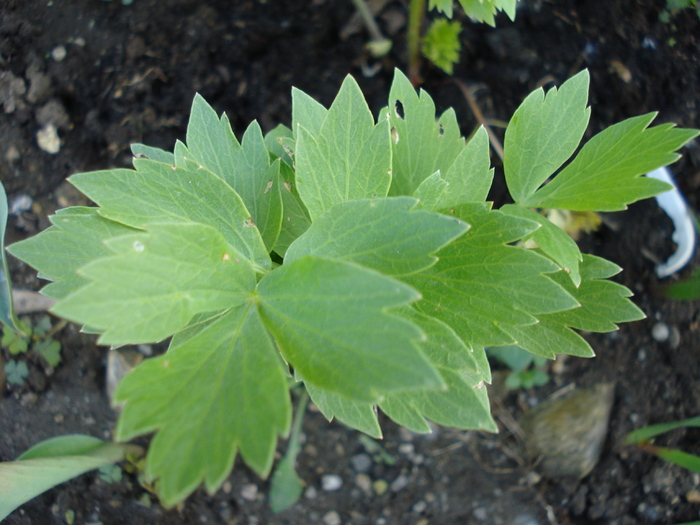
[395, 135]
[441, 130]
[398, 109]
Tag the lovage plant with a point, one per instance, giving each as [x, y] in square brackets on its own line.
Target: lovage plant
[355, 256]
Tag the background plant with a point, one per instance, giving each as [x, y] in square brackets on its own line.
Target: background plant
[356, 256]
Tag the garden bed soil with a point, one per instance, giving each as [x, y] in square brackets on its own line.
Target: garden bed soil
[106, 75]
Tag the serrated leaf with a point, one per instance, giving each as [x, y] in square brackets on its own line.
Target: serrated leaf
[485, 10]
[481, 286]
[157, 192]
[606, 174]
[359, 415]
[246, 167]
[349, 158]
[543, 133]
[220, 391]
[604, 303]
[550, 337]
[307, 113]
[295, 218]
[149, 152]
[332, 321]
[50, 463]
[421, 144]
[444, 6]
[441, 44]
[76, 238]
[389, 235]
[157, 281]
[552, 240]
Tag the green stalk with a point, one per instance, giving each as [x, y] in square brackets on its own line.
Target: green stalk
[416, 15]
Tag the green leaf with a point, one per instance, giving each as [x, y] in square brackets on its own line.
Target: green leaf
[274, 140]
[50, 350]
[482, 287]
[349, 158]
[157, 281]
[552, 240]
[606, 174]
[441, 44]
[245, 167]
[646, 433]
[307, 113]
[543, 133]
[222, 390]
[75, 239]
[141, 150]
[16, 371]
[359, 415]
[422, 145]
[603, 303]
[157, 192]
[7, 311]
[680, 458]
[52, 462]
[332, 323]
[388, 235]
[444, 6]
[485, 10]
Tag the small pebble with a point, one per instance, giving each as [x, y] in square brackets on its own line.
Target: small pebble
[660, 332]
[310, 493]
[12, 155]
[419, 507]
[227, 487]
[331, 482]
[249, 492]
[331, 518]
[380, 487]
[480, 514]
[47, 138]
[406, 448]
[399, 483]
[361, 462]
[364, 482]
[59, 53]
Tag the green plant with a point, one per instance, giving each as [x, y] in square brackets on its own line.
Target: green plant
[16, 371]
[441, 43]
[673, 6]
[355, 256]
[37, 338]
[643, 438]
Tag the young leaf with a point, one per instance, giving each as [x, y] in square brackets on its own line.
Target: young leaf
[543, 133]
[421, 144]
[52, 462]
[157, 281]
[75, 239]
[222, 390]
[552, 240]
[485, 10]
[388, 235]
[141, 150]
[157, 192]
[245, 167]
[645, 434]
[349, 158]
[441, 44]
[482, 287]
[332, 322]
[606, 174]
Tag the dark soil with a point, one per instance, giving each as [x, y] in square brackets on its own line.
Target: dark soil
[129, 75]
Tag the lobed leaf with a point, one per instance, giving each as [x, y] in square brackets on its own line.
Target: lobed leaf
[359, 415]
[220, 391]
[543, 133]
[332, 322]
[75, 238]
[388, 235]
[246, 167]
[606, 174]
[349, 158]
[421, 144]
[481, 287]
[156, 281]
[157, 192]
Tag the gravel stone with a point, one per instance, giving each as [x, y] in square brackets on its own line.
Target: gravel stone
[331, 482]
[331, 518]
